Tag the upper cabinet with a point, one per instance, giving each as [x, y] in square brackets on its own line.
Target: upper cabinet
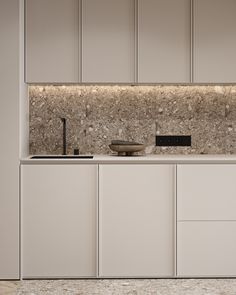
[108, 44]
[130, 41]
[164, 41]
[214, 41]
[52, 41]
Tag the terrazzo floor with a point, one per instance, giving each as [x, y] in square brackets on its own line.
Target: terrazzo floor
[120, 287]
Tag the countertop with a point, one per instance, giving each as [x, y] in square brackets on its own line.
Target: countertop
[147, 159]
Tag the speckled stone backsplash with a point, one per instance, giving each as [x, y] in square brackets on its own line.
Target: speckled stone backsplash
[98, 114]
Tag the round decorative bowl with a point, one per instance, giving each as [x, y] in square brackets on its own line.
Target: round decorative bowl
[127, 150]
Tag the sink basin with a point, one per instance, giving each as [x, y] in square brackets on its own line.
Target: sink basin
[61, 157]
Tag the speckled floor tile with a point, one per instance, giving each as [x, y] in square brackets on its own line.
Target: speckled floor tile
[121, 287]
[8, 287]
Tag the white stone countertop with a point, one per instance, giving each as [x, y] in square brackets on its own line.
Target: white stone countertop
[147, 159]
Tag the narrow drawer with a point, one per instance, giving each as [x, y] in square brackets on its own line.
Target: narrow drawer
[206, 249]
[206, 192]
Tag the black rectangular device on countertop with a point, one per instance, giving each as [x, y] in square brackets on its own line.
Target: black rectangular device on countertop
[173, 140]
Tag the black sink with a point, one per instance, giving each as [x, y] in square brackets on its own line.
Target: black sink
[61, 157]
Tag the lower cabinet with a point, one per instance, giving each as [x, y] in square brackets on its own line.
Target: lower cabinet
[206, 249]
[58, 220]
[124, 224]
[206, 226]
[136, 220]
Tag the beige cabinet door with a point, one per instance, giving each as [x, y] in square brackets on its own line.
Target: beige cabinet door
[52, 41]
[9, 146]
[58, 221]
[206, 192]
[206, 249]
[136, 220]
[108, 41]
[214, 41]
[164, 41]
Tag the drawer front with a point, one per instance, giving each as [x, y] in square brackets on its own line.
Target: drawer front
[206, 192]
[206, 249]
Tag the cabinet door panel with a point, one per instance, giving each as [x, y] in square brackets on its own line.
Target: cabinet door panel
[214, 41]
[9, 147]
[206, 249]
[52, 41]
[108, 41]
[59, 221]
[206, 192]
[164, 41]
[136, 220]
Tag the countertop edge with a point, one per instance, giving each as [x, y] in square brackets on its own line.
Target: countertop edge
[152, 159]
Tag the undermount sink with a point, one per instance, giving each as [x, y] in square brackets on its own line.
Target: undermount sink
[61, 157]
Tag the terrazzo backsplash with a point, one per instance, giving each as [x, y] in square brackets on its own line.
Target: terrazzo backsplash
[98, 114]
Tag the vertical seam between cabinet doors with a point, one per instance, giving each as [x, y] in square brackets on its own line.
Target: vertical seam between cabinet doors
[97, 222]
[136, 41]
[80, 40]
[19, 227]
[175, 220]
[24, 42]
[191, 40]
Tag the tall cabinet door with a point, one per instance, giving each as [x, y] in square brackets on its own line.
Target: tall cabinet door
[52, 41]
[58, 221]
[164, 41]
[214, 41]
[136, 220]
[9, 131]
[108, 41]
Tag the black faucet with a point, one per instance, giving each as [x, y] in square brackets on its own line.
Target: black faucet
[64, 135]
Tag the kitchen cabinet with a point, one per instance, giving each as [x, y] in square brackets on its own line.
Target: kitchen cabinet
[206, 249]
[136, 220]
[214, 41]
[108, 45]
[52, 41]
[206, 192]
[206, 217]
[130, 41]
[9, 131]
[164, 41]
[58, 220]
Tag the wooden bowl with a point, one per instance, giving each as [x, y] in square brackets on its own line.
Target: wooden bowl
[127, 150]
